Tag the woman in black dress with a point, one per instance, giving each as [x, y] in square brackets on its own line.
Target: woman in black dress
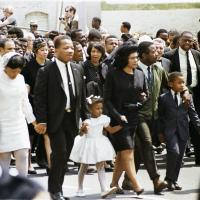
[124, 92]
[92, 68]
[29, 72]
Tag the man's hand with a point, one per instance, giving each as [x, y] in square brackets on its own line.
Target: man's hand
[40, 128]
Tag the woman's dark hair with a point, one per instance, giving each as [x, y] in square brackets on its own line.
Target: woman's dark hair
[97, 46]
[16, 61]
[122, 54]
[39, 43]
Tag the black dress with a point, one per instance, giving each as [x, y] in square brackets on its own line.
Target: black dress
[122, 90]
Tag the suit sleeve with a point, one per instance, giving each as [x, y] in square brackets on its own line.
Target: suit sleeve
[108, 98]
[161, 111]
[194, 118]
[40, 96]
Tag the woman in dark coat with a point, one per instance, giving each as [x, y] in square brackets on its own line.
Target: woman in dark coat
[124, 92]
[92, 69]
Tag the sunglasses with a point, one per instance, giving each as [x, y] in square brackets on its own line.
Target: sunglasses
[34, 25]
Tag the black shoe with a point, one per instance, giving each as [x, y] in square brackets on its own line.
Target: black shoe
[170, 185]
[32, 171]
[177, 186]
[139, 192]
[126, 185]
[108, 169]
[42, 164]
[58, 196]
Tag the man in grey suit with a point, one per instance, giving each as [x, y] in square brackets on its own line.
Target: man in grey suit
[174, 125]
[59, 99]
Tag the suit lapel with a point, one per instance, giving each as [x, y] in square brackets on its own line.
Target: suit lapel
[75, 75]
[176, 61]
[58, 76]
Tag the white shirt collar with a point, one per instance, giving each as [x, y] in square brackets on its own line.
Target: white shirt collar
[183, 52]
[173, 93]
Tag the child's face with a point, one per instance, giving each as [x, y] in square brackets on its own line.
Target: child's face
[178, 84]
[96, 109]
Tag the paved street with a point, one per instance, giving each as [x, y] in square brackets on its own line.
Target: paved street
[189, 179]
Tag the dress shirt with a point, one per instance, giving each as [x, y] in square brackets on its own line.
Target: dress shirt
[63, 72]
[178, 96]
[144, 68]
[183, 66]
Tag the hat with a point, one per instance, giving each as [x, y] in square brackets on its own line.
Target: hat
[33, 23]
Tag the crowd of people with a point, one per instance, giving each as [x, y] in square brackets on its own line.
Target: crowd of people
[66, 95]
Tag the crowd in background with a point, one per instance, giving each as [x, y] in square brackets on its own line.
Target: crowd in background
[130, 72]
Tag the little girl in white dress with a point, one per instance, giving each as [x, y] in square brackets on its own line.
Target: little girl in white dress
[92, 147]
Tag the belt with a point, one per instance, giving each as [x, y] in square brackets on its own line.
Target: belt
[68, 110]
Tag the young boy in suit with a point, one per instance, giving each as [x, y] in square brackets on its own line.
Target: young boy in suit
[174, 126]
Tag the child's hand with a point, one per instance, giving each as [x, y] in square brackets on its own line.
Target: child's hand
[84, 128]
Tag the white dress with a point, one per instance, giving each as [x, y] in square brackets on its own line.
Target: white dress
[93, 147]
[15, 109]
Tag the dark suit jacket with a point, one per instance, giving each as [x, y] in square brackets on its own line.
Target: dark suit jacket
[174, 119]
[50, 99]
[173, 56]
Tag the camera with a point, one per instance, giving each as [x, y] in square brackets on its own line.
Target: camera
[61, 18]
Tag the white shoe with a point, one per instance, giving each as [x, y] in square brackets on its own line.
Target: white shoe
[80, 193]
[108, 192]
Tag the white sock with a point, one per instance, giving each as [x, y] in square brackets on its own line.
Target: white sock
[102, 179]
[22, 161]
[81, 173]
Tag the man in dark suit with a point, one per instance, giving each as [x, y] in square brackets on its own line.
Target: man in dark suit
[174, 125]
[187, 60]
[59, 102]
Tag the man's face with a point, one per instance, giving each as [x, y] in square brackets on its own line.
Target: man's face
[95, 24]
[151, 57]
[186, 41]
[78, 53]
[80, 37]
[24, 46]
[65, 51]
[159, 49]
[51, 49]
[164, 36]
[111, 44]
[9, 47]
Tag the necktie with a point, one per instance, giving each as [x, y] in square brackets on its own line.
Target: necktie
[176, 99]
[189, 72]
[71, 94]
[149, 74]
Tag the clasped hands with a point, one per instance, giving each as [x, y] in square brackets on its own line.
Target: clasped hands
[40, 128]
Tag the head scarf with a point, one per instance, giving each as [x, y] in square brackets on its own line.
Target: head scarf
[6, 57]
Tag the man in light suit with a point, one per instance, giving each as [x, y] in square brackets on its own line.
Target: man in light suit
[179, 62]
[174, 125]
[59, 102]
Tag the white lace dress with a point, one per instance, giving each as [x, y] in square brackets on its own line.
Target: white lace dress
[93, 147]
[15, 109]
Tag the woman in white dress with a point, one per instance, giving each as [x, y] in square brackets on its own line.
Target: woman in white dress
[15, 110]
[92, 147]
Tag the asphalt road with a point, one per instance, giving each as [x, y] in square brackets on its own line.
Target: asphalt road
[189, 179]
